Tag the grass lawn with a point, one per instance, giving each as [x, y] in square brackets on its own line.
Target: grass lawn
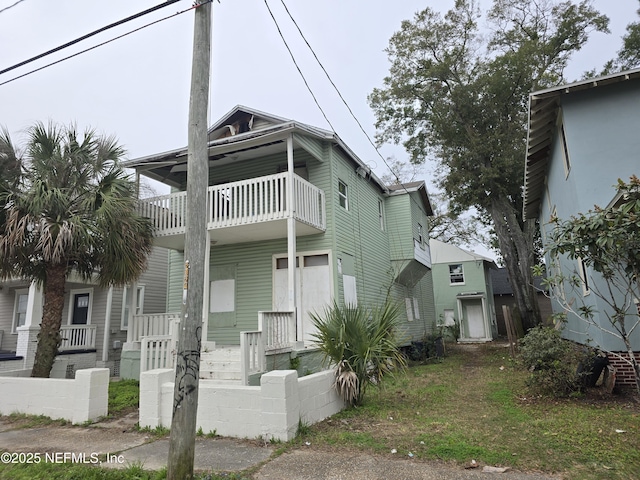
[474, 406]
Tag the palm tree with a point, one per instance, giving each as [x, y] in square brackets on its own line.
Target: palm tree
[74, 210]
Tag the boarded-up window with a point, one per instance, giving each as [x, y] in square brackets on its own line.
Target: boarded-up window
[222, 295]
[350, 291]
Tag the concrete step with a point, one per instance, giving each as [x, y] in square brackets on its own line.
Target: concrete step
[219, 381]
[223, 366]
[221, 354]
[219, 375]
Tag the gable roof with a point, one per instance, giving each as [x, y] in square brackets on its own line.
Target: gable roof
[241, 134]
[419, 187]
[442, 252]
[543, 112]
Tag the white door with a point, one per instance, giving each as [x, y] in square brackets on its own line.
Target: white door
[313, 291]
[475, 320]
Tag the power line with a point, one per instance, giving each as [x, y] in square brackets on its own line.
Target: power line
[106, 42]
[296, 64]
[88, 35]
[11, 6]
[339, 93]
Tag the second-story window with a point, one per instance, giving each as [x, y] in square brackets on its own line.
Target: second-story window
[456, 274]
[381, 214]
[420, 235]
[342, 195]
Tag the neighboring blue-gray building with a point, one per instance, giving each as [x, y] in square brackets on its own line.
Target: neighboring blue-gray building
[582, 138]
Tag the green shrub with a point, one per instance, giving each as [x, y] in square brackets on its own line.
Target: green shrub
[552, 362]
[362, 343]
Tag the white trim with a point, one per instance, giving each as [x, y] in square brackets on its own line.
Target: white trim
[449, 265]
[344, 195]
[584, 280]
[139, 308]
[18, 292]
[72, 294]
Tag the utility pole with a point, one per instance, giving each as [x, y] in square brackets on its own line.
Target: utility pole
[185, 398]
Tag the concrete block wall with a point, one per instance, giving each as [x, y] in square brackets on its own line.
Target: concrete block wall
[272, 410]
[16, 373]
[318, 397]
[11, 365]
[77, 400]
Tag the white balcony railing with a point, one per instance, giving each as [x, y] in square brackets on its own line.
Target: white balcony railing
[77, 337]
[151, 325]
[255, 200]
[278, 330]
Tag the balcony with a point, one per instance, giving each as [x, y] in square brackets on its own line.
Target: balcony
[249, 210]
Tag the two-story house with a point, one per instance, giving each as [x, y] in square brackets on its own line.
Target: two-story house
[283, 193]
[463, 291]
[582, 138]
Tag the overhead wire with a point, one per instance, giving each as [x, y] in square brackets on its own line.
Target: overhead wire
[11, 6]
[88, 35]
[107, 41]
[295, 62]
[338, 92]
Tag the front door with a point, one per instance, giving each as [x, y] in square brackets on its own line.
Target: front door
[80, 309]
[475, 319]
[313, 290]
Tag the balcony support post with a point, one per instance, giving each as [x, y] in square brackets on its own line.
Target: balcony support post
[291, 231]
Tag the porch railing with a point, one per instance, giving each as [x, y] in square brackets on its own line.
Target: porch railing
[159, 351]
[252, 358]
[255, 200]
[148, 325]
[77, 337]
[278, 330]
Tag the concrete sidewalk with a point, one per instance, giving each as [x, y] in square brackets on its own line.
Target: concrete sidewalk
[123, 445]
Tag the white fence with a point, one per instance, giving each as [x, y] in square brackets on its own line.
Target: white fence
[77, 337]
[78, 400]
[273, 410]
[255, 200]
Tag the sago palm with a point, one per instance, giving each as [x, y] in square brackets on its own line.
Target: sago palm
[74, 210]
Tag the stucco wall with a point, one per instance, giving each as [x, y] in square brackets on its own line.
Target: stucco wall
[77, 400]
[272, 410]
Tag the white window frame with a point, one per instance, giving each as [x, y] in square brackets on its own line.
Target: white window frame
[381, 214]
[584, 280]
[139, 308]
[565, 150]
[343, 197]
[420, 234]
[72, 294]
[14, 323]
[461, 273]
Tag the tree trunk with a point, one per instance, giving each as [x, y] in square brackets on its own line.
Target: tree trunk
[49, 336]
[517, 248]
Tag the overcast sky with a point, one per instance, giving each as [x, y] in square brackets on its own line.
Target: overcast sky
[137, 87]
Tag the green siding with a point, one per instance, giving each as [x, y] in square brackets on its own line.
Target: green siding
[354, 236]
